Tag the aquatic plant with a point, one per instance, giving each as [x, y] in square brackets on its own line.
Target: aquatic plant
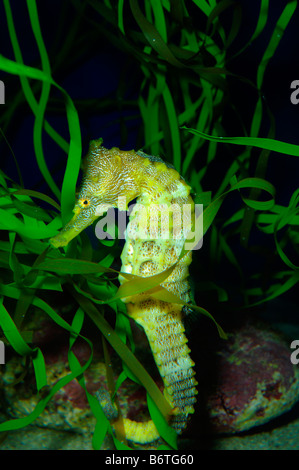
[182, 57]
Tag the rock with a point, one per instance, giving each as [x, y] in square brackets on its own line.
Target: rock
[250, 380]
[256, 380]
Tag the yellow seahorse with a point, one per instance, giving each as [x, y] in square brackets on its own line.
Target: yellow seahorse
[152, 245]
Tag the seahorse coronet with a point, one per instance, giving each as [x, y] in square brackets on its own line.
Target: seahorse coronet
[112, 176]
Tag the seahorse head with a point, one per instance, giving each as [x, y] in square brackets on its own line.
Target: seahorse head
[110, 177]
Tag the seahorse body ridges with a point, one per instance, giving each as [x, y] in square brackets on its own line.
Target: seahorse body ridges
[155, 237]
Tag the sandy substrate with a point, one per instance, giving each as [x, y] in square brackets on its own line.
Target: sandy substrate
[282, 434]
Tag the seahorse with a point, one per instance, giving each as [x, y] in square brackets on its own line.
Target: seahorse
[112, 176]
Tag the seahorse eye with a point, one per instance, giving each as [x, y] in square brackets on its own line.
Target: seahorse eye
[84, 202]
